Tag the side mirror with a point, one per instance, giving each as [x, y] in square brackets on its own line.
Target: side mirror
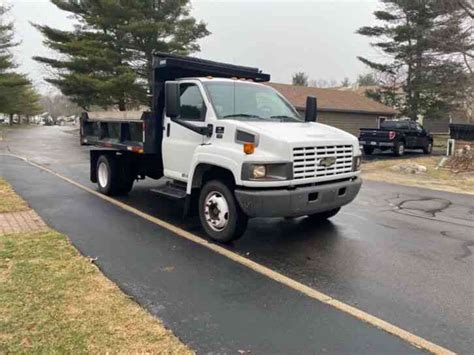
[311, 109]
[172, 99]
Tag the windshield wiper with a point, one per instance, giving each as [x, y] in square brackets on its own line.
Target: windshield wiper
[241, 115]
[285, 117]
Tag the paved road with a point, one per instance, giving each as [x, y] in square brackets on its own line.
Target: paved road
[402, 254]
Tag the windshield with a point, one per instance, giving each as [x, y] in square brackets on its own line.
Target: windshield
[249, 102]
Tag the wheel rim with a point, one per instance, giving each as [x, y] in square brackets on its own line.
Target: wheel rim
[401, 149]
[103, 174]
[216, 211]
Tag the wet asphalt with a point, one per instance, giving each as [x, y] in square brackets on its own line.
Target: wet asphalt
[403, 254]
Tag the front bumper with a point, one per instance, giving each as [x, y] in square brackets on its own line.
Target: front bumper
[299, 201]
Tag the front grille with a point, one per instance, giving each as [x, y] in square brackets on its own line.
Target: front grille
[307, 161]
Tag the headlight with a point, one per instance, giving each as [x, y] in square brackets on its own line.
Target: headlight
[259, 171]
[356, 161]
[267, 172]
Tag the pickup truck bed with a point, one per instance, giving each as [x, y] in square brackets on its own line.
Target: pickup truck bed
[376, 137]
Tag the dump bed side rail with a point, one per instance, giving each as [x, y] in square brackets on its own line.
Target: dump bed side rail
[129, 131]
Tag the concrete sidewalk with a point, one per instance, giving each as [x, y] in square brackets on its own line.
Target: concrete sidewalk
[24, 221]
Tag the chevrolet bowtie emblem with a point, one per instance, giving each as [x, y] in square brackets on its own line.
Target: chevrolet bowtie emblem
[327, 162]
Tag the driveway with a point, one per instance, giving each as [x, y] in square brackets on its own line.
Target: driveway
[399, 253]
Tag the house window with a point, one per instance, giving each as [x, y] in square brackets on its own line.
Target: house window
[380, 119]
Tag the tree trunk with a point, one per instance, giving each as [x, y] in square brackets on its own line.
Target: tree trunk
[409, 80]
[121, 106]
[11, 119]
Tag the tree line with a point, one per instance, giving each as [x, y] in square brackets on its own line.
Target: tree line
[302, 79]
[428, 63]
[431, 46]
[106, 60]
[17, 95]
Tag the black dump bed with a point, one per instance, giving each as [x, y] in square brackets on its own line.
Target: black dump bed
[141, 132]
[171, 67]
[135, 132]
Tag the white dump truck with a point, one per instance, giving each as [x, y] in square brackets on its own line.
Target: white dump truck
[228, 145]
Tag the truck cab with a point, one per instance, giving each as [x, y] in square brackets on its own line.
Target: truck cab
[234, 149]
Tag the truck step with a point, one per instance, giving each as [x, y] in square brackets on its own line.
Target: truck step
[170, 191]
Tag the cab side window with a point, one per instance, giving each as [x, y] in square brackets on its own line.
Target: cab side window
[403, 125]
[192, 103]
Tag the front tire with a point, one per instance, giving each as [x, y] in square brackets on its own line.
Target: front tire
[321, 216]
[220, 214]
[368, 150]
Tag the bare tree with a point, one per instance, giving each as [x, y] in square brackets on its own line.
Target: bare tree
[59, 105]
[300, 79]
[323, 83]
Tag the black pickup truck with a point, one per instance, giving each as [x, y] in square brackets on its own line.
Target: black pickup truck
[396, 136]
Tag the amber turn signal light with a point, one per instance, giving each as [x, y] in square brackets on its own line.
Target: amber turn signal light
[249, 148]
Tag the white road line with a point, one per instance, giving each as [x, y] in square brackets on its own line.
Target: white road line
[411, 338]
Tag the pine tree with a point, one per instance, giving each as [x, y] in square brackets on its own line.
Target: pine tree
[29, 102]
[11, 83]
[107, 59]
[422, 37]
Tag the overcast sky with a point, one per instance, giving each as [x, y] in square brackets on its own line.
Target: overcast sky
[280, 37]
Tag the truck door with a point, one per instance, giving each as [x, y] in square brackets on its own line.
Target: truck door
[411, 135]
[421, 137]
[179, 143]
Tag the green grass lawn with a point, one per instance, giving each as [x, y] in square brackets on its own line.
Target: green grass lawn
[53, 300]
[9, 200]
[438, 179]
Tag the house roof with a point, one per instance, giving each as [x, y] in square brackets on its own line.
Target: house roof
[363, 89]
[332, 100]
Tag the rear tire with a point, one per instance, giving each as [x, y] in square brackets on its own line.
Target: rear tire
[428, 148]
[126, 185]
[399, 149]
[220, 214]
[107, 175]
[321, 216]
[112, 178]
[368, 150]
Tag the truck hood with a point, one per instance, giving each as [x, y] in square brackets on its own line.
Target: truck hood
[300, 132]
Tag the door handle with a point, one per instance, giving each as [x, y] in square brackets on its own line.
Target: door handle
[168, 127]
